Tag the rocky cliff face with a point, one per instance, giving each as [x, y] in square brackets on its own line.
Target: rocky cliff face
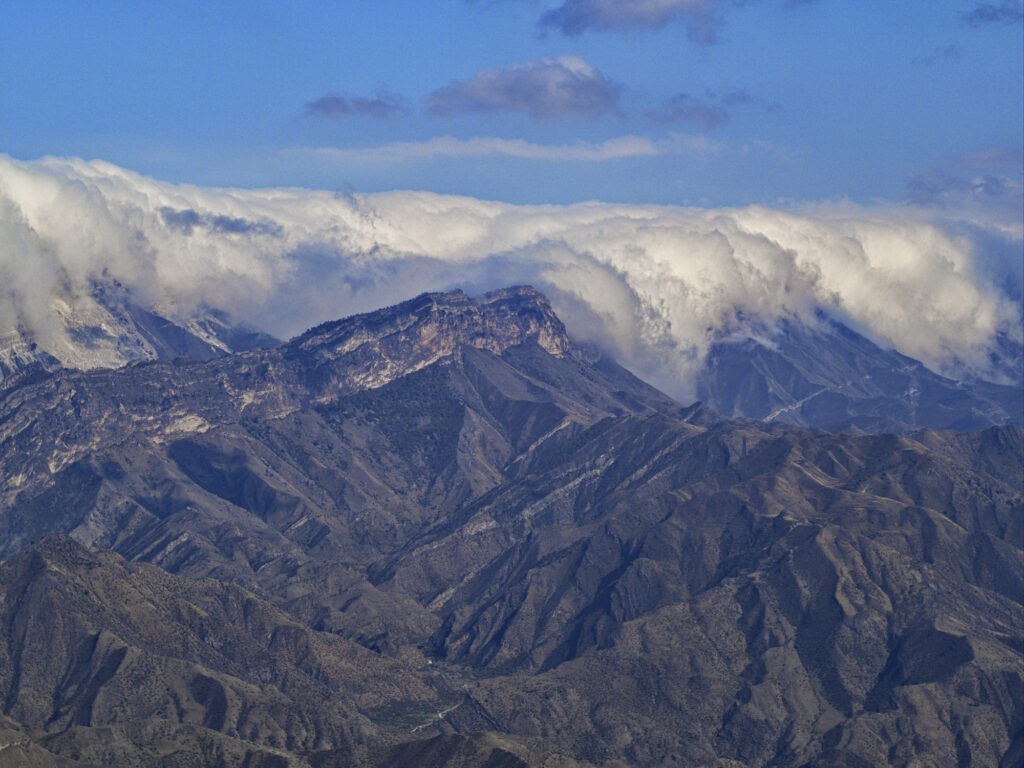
[443, 534]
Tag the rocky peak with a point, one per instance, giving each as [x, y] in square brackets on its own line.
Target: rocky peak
[521, 313]
[380, 346]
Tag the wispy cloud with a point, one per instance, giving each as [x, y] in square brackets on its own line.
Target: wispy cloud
[1005, 12]
[617, 148]
[949, 52]
[683, 108]
[333, 105]
[574, 17]
[545, 88]
[995, 157]
[706, 112]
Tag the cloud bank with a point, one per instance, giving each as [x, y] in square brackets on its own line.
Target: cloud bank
[654, 285]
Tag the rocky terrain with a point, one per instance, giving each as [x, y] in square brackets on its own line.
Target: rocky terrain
[444, 534]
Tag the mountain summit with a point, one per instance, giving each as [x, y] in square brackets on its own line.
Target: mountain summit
[378, 347]
[824, 374]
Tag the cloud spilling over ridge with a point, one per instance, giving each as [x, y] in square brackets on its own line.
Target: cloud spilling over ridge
[654, 285]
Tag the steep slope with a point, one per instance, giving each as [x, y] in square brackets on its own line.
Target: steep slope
[772, 598]
[566, 560]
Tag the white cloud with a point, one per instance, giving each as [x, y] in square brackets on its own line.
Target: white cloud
[654, 284]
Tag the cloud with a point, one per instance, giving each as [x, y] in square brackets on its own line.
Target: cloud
[1007, 158]
[991, 198]
[568, 85]
[617, 148]
[575, 17]
[654, 285]
[936, 187]
[1004, 12]
[333, 105]
[950, 52]
[708, 112]
[683, 108]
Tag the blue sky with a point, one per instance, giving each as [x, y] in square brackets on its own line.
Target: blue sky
[698, 102]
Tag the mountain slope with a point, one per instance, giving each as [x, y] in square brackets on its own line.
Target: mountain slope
[519, 532]
[770, 607]
[92, 642]
[293, 438]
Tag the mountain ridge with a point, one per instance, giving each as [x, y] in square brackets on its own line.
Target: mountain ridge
[819, 374]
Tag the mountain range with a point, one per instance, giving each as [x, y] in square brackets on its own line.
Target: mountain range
[444, 533]
[816, 373]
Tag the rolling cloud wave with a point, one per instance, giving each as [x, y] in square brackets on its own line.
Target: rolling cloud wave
[655, 285]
